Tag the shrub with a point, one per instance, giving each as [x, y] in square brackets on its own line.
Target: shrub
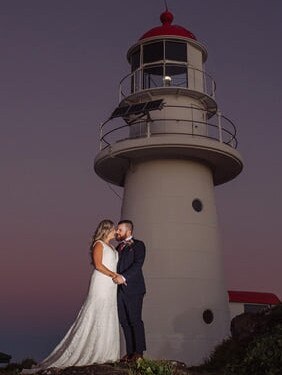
[15, 368]
[227, 352]
[263, 356]
[149, 367]
[27, 363]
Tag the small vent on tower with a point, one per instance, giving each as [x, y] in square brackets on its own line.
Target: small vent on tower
[208, 316]
[197, 205]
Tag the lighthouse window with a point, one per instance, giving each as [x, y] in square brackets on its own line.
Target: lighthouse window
[135, 60]
[153, 52]
[197, 205]
[153, 76]
[178, 74]
[175, 51]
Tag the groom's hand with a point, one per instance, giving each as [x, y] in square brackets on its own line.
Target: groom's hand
[118, 279]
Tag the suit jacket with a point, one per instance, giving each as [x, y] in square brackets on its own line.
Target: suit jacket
[130, 263]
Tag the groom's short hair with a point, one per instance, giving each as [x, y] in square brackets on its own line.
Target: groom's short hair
[128, 223]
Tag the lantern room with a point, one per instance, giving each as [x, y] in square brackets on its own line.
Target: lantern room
[169, 56]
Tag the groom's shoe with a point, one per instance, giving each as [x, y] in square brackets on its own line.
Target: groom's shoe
[136, 356]
[126, 358]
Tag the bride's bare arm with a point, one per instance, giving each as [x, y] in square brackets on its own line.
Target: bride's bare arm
[97, 256]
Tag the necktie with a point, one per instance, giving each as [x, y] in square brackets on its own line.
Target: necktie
[122, 245]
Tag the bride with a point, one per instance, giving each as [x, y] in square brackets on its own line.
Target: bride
[94, 336]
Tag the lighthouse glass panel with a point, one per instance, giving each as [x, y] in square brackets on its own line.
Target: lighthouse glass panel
[177, 75]
[153, 52]
[175, 51]
[136, 79]
[135, 64]
[153, 76]
[135, 60]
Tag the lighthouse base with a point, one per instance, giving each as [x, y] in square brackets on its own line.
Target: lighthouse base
[183, 334]
[186, 312]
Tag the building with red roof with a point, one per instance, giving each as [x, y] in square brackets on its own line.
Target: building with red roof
[243, 301]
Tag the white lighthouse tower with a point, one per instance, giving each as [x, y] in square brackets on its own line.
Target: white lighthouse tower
[168, 145]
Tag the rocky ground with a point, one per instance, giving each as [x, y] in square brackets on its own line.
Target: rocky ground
[179, 368]
[257, 334]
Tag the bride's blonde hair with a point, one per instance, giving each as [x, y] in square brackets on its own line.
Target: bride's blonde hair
[102, 231]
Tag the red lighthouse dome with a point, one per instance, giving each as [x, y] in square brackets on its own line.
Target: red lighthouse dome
[168, 29]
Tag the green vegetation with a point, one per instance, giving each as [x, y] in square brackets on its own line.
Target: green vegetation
[263, 356]
[150, 367]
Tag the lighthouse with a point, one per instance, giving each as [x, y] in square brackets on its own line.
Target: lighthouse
[168, 145]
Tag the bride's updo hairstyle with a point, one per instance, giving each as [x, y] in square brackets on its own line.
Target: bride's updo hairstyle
[102, 231]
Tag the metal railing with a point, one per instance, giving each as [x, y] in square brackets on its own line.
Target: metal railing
[217, 127]
[166, 76]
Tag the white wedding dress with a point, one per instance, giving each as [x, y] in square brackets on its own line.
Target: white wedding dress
[94, 336]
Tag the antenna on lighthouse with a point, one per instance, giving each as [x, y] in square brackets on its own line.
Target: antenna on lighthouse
[166, 7]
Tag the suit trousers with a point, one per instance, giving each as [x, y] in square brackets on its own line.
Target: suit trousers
[130, 317]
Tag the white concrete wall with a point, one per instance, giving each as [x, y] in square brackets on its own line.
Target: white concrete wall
[236, 308]
[183, 268]
[189, 113]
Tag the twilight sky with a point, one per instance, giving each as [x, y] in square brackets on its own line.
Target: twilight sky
[61, 63]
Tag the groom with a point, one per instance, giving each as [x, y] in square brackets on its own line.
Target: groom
[131, 290]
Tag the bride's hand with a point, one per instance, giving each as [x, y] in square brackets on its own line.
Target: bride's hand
[119, 280]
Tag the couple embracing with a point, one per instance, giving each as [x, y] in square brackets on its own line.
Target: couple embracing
[115, 296]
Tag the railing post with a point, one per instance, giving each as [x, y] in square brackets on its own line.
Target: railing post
[213, 89]
[219, 125]
[119, 93]
[205, 118]
[205, 82]
[192, 118]
[101, 134]
[148, 123]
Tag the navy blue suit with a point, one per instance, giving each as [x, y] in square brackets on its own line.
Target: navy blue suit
[130, 296]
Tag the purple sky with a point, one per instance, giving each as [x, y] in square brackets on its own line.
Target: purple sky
[61, 63]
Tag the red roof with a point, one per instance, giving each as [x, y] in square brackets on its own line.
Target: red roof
[253, 297]
[168, 29]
